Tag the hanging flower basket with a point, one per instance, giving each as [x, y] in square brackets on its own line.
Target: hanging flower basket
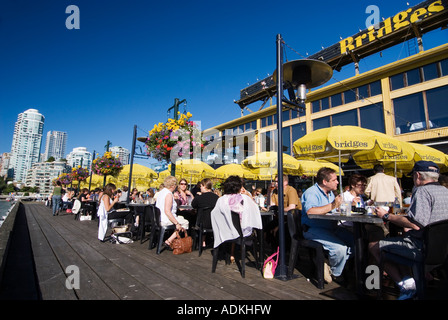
[79, 174]
[64, 178]
[174, 139]
[107, 165]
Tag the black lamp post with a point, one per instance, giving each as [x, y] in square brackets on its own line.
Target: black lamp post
[300, 75]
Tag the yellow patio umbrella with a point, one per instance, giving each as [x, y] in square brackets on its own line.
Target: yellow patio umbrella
[98, 181]
[189, 169]
[403, 162]
[341, 142]
[264, 165]
[311, 167]
[232, 169]
[193, 167]
[141, 176]
[138, 171]
[427, 153]
[397, 164]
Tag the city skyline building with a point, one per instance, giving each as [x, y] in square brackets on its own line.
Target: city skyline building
[26, 142]
[55, 145]
[79, 157]
[42, 174]
[122, 153]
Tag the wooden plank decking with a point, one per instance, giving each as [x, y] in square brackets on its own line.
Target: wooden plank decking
[42, 248]
[131, 271]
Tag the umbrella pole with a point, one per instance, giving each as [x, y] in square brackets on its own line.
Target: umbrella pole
[340, 174]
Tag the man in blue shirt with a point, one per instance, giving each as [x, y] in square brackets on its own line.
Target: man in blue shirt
[319, 199]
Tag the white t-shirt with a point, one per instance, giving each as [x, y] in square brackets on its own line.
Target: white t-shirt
[160, 203]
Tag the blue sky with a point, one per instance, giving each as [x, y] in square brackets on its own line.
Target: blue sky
[130, 59]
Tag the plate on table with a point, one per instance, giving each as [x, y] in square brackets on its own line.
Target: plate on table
[357, 213]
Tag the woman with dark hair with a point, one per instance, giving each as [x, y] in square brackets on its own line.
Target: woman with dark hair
[233, 200]
[357, 186]
[105, 211]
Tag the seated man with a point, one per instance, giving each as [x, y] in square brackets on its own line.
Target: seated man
[429, 204]
[319, 199]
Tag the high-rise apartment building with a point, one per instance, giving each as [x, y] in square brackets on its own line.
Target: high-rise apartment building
[79, 157]
[26, 142]
[122, 153]
[41, 175]
[55, 145]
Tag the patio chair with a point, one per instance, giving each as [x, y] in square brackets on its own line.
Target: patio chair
[297, 241]
[242, 242]
[157, 230]
[434, 254]
[202, 228]
[145, 223]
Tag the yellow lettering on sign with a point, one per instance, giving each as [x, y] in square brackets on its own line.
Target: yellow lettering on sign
[359, 40]
[386, 29]
[436, 6]
[419, 14]
[371, 33]
[400, 20]
[346, 45]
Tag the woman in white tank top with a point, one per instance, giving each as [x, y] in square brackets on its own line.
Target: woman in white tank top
[168, 208]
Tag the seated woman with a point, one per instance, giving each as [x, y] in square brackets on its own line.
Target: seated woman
[168, 208]
[105, 211]
[233, 200]
[184, 197]
[67, 203]
[355, 195]
[205, 199]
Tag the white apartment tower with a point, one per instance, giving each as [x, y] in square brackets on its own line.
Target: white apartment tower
[55, 145]
[26, 142]
[79, 157]
[122, 153]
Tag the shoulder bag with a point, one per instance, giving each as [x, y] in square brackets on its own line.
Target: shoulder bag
[182, 245]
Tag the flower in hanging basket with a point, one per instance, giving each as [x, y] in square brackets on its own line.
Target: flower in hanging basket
[79, 174]
[64, 178]
[175, 138]
[107, 165]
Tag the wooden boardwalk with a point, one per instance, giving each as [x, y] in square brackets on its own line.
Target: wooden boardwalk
[132, 272]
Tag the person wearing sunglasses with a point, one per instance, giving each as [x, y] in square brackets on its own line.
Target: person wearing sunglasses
[184, 197]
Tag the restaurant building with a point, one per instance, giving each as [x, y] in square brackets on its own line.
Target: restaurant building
[406, 99]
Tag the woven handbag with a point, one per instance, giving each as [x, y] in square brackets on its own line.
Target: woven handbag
[182, 245]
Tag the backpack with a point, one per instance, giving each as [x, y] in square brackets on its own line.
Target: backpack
[270, 265]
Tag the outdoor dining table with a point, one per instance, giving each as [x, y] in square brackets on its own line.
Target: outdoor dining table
[360, 257]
